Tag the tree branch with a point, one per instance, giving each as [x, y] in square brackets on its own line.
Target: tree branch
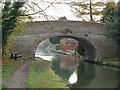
[42, 10]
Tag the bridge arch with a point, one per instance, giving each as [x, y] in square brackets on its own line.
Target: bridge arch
[90, 51]
[94, 34]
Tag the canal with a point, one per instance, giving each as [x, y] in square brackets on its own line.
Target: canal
[76, 72]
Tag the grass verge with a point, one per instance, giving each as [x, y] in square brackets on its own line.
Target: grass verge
[41, 76]
[2, 86]
[8, 67]
[110, 61]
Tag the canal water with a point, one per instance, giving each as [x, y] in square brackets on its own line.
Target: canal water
[79, 74]
[76, 72]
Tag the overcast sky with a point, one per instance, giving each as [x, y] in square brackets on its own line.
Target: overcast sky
[59, 10]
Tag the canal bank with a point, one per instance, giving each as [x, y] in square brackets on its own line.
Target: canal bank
[105, 62]
[48, 74]
[77, 73]
[41, 76]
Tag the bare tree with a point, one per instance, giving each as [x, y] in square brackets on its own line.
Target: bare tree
[87, 8]
[31, 9]
[84, 8]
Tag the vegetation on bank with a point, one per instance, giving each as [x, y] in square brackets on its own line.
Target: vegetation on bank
[2, 86]
[41, 76]
[106, 62]
[112, 25]
[9, 66]
[109, 61]
[12, 24]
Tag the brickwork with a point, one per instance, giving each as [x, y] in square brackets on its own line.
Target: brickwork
[91, 34]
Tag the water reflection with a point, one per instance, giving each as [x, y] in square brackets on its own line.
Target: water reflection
[73, 78]
[66, 67]
[69, 62]
[76, 73]
[86, 75]
[79, 74]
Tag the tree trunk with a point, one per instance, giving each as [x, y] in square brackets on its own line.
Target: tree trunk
[91, 16]
[119, 53]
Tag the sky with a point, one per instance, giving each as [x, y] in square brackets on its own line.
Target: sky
[56, 11]
[59, 10]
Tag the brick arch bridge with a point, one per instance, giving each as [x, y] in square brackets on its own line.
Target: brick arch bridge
[91, 34]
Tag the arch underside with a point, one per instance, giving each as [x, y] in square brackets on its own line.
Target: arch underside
[89, 48]
[96, 48]
[90, 52]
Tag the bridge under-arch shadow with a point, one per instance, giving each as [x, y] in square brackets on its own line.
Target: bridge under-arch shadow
[90, 51]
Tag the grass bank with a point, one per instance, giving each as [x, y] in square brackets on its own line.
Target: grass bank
[8, 67]
[2, 86]
[41, 76]
[110, 61]
[105, 62]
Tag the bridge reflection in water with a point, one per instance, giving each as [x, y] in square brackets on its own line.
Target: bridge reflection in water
[78, 74]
